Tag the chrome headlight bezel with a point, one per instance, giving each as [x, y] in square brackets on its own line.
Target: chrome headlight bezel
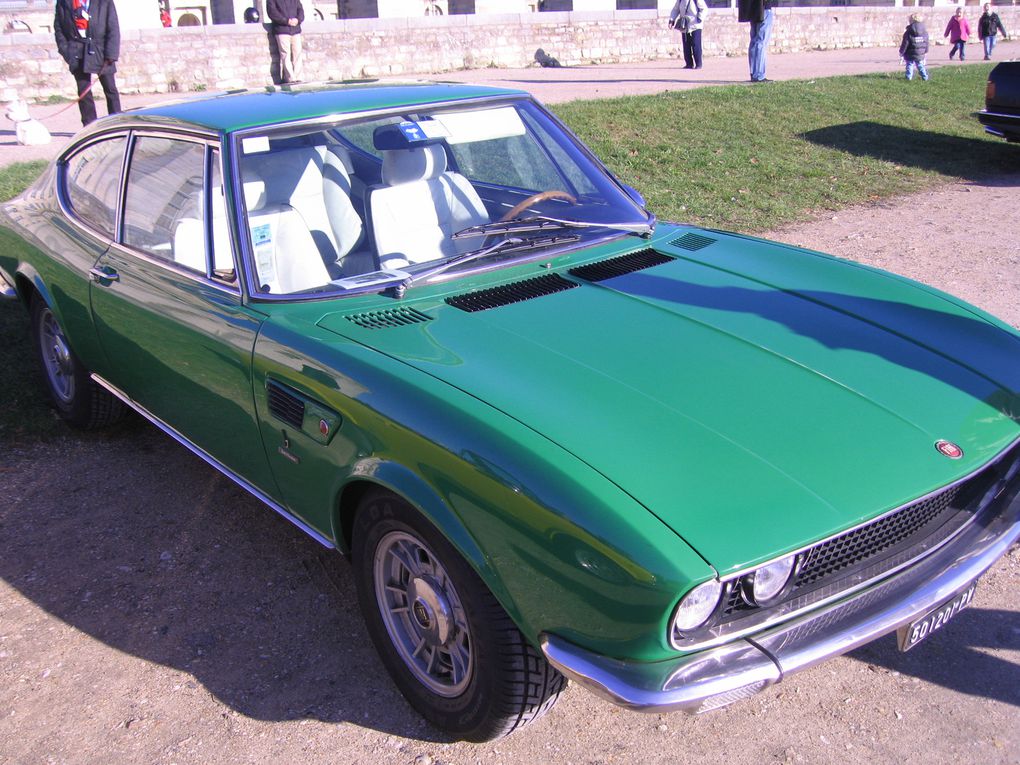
[759, 589]
[704, 600]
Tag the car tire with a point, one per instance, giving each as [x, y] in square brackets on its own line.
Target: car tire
[449, 646]
[77, 398]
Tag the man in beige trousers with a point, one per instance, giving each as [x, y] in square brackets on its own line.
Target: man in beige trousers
[286, 17]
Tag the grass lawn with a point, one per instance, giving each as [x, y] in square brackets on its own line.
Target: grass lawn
[745, 158]
[750, 158]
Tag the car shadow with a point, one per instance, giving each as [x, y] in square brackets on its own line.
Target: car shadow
[129, 538]
[957, 657]
[902, 334]
[969, 158]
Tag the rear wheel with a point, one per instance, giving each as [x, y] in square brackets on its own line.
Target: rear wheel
[79, 401]
[448, 644]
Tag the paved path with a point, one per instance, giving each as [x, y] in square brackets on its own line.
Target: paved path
[553, 85]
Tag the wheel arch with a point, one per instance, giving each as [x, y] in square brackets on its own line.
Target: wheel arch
[425, 499]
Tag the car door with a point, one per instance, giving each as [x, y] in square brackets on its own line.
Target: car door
[167, 306]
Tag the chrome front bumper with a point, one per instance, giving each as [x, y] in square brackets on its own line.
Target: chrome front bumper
[719, 676]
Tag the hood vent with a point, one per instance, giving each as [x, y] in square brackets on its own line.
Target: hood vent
[284, 405]
[517, 292]
[396, 317]
[625, 264]
[692, 242]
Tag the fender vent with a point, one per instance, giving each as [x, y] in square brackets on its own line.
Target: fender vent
[692, 242]
[625, 264]
[518, 292]
[284, 405]
[396, 317]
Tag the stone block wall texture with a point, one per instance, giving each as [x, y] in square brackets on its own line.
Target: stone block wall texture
[192, 59]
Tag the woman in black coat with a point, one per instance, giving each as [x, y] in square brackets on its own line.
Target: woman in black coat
[88, 38]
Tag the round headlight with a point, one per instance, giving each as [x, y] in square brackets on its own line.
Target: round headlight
[697, 606]
[767, 583]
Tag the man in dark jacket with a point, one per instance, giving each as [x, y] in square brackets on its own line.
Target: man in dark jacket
[88, 38]
[988, 25]
[759, 14]
[286, 17]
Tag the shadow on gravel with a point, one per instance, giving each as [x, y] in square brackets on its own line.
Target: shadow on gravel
[138, 544]
[977, 158]
[956, 658]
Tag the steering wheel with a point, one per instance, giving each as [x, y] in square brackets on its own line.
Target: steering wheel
[534, 199]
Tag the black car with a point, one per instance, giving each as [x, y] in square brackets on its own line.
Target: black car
[1001, 115]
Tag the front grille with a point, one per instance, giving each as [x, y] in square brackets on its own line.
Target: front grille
[517, 292]
[870, 552]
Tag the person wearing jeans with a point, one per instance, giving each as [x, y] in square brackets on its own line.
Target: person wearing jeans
[958, 30]
[988, 25]
[759, 14]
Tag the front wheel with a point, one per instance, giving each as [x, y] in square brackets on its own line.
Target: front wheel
[79, 401]
[449, 646]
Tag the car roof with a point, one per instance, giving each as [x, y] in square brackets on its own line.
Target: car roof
[239, 110]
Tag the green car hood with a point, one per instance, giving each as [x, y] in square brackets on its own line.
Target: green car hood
[755, 397]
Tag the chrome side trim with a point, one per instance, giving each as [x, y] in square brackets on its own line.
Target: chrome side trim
[199, 452]
[712, 678]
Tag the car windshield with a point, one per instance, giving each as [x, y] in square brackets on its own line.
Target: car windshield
[362, 205]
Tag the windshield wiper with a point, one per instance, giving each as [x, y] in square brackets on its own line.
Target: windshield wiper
[510, 242]
[545, 223]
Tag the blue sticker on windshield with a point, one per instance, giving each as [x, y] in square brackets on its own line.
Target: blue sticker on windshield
[412, 132]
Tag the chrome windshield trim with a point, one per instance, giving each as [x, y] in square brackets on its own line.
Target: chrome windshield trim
[199, 452]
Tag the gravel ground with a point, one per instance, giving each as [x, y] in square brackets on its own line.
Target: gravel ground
[151, 612]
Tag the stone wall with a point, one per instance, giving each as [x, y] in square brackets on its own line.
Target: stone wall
[227, 56]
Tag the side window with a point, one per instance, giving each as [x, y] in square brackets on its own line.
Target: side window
[163, 210]
[92, 182]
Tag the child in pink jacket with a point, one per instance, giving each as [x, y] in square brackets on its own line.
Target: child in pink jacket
[957, 30]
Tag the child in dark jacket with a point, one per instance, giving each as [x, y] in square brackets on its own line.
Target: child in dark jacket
[914, 47]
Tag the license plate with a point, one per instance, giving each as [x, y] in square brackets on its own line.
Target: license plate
[935, 619]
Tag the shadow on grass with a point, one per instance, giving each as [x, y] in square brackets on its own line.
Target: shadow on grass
[968, 158]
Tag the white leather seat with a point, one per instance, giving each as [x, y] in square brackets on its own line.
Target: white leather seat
[189, 238]
[286, 258]
[314, 181]
[420, 205]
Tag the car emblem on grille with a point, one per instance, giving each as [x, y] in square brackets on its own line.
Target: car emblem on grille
[949, 449]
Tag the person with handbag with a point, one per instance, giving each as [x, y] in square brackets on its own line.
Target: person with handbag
[88, 38]
[687, 17]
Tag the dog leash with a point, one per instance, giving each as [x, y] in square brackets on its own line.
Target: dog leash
[81, 95]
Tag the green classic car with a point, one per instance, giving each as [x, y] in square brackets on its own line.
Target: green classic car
[557, 438]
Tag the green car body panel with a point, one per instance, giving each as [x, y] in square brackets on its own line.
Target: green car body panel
[593, 453]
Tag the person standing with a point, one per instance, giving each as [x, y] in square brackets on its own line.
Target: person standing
[958, 30]
[759, 14]
[88, 38]
[988, 25]
[286, 17]
[687, 17]
[914, 47]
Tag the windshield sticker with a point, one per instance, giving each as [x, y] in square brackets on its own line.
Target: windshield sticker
[412, 132]
[371, 279]
[262, 240]
[255, 145]
[482, 124]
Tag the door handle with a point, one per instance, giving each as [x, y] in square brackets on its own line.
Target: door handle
[98, 275]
